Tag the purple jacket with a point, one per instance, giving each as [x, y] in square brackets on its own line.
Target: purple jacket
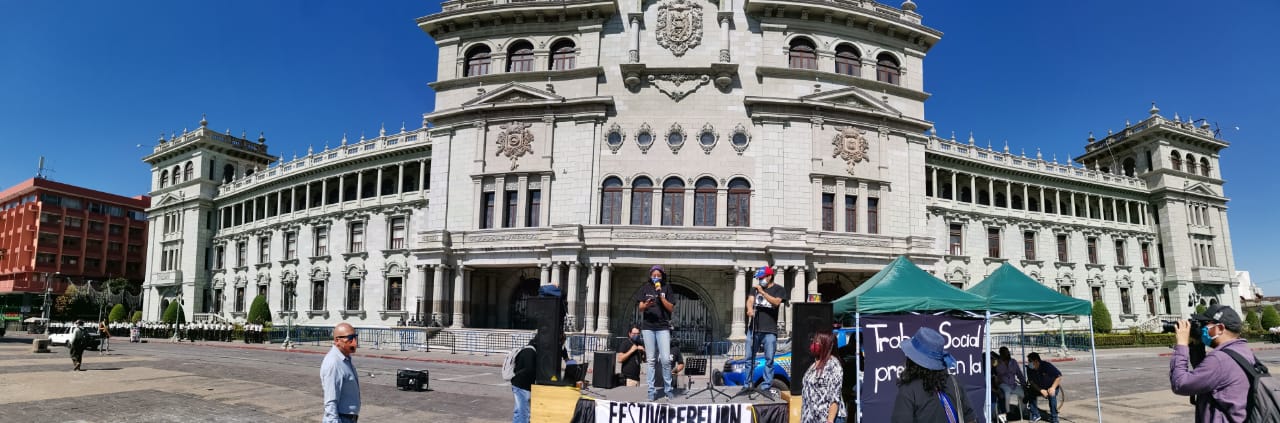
[1219, 376]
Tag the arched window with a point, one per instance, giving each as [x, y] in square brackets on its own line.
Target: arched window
[1129, 166]
[848, 61]
[164, 178]
[642, 201]
[739, 212]
[946, 192]
[673, 202]
[520, 57]
[984, 198]
[966, 194]
[1175, 160]
[563, 55]
[228, 173]
[887, 68]
[187, 171]
[1191, 163]
[1204, 166]
[478, 59]
[611, 202]
[1017, 202]
[704, 202]
[1000, 200]
[802, 54]
[176, 170]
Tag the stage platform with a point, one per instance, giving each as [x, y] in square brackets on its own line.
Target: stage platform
[638, 393]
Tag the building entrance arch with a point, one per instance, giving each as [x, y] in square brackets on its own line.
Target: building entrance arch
[519, 301]
[694, 320]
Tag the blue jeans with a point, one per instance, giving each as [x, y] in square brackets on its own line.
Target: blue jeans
[520, 414]
[770, 342]
[1053, 408]
[657, 346]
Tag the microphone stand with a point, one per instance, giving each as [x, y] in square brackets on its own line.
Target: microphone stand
[749, 388]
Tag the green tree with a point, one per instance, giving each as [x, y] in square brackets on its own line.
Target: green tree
[1201, 308]
[259, 312]
[1270, 318]
[1101, 318]
[1253, 323]
[118, 314]
[171, 313]
[137, 317]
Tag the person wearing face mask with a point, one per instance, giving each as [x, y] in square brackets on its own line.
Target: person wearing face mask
[1219, 386]
[630, 355]
[655, 307]
[762, 331]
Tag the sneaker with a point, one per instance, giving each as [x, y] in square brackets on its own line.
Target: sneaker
[1034, 419]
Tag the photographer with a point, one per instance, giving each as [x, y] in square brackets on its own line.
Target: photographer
[1219, 387]
[630, 355]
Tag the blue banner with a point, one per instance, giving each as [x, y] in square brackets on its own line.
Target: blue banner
[882, 338]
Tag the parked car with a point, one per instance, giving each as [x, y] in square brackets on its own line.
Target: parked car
[735, 371]
[64, 337]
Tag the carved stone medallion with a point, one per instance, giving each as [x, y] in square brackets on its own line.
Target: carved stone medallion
[850, 146]
[679, 25]
[514, 141]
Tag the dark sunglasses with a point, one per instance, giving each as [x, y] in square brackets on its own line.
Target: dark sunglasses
[349, 338]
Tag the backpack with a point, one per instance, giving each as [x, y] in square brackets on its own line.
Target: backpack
[509, 365]
[1264, 391]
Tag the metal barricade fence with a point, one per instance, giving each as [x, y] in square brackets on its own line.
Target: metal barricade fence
[1054, 342]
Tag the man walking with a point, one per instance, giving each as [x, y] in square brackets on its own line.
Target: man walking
[77, 345]
[1220, 388]
[339, 379]
[762, 311]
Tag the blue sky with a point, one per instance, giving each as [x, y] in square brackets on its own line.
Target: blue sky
[84, 83]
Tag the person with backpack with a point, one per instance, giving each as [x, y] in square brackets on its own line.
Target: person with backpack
[79, 341]
[1219, 385]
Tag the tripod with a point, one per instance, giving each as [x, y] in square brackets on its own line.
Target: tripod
[706, 363]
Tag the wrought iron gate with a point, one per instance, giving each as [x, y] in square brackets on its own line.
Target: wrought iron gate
[520, 319]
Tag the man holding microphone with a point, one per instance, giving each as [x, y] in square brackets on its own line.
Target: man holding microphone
[762, 328]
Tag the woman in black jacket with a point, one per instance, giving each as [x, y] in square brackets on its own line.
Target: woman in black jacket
[927, 393]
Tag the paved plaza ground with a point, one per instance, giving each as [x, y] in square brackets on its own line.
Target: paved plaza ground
[161, 381]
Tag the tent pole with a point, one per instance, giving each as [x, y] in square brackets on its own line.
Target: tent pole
[857, 362]
[1093, 349]
[986, 364]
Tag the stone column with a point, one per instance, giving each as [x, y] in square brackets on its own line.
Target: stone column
[625, 218]
[437, 294]
[341, 190]
[811, 274]
[933, 171]
[954, 189]
[572, 314]
[377, 189]
[522, 204]
[724, 35]
[499, 202]
[360, 185]
[797, 278]
[1073, 204]
[422, 175]
[555, 273]
[633, 56]
[589, 310]
[816, 187]
[324, 192]
[862, 217]
[460, 280]
[722, 206]
[544, 215]
[602, 318]
[738, 329]
[544, 276]
[991, 192]
[400, 179]
[838, 206]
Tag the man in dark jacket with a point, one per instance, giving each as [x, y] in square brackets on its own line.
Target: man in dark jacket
[522, 382]
[79, 341]
[1045, 381]
[1220, 387]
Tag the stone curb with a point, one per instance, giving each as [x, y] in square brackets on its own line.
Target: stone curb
[379, 356]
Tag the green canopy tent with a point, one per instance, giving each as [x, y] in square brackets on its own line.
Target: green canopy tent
[902, 287]
[1009, 291]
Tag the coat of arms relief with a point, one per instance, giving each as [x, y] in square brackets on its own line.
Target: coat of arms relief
[514, 141]
[850, 145]
[679, 25]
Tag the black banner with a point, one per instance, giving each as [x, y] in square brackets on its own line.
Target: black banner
[882, 339]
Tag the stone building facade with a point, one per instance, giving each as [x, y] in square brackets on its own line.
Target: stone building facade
[583, 141]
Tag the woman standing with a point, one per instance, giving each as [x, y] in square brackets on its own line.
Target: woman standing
[655, 327]
[926, 392]
[105, 335]
[821, 391]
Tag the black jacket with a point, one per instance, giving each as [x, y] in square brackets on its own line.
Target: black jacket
[526, 362]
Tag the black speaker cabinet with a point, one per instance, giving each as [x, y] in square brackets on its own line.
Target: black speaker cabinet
[606, 366]
[547, 312]
[412, 380]
[806, 320]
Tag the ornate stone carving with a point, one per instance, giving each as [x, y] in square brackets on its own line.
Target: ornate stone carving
[504, 237]
[644, 137]
[676, 136]
[514, 141]
[740, 138]
[707, 138]
[614, 138]
[850, 145]
[679, 25]
[673, 236]
[673, 84]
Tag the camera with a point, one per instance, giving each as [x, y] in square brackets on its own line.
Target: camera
[1171, 326]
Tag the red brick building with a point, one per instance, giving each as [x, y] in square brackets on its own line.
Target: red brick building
[51, 230]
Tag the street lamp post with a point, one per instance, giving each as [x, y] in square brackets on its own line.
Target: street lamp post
[48, 289]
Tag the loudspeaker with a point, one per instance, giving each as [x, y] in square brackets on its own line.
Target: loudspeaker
[548, 312]
[574, 373]
[412, 380]
[806, 320]
[606, 365]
